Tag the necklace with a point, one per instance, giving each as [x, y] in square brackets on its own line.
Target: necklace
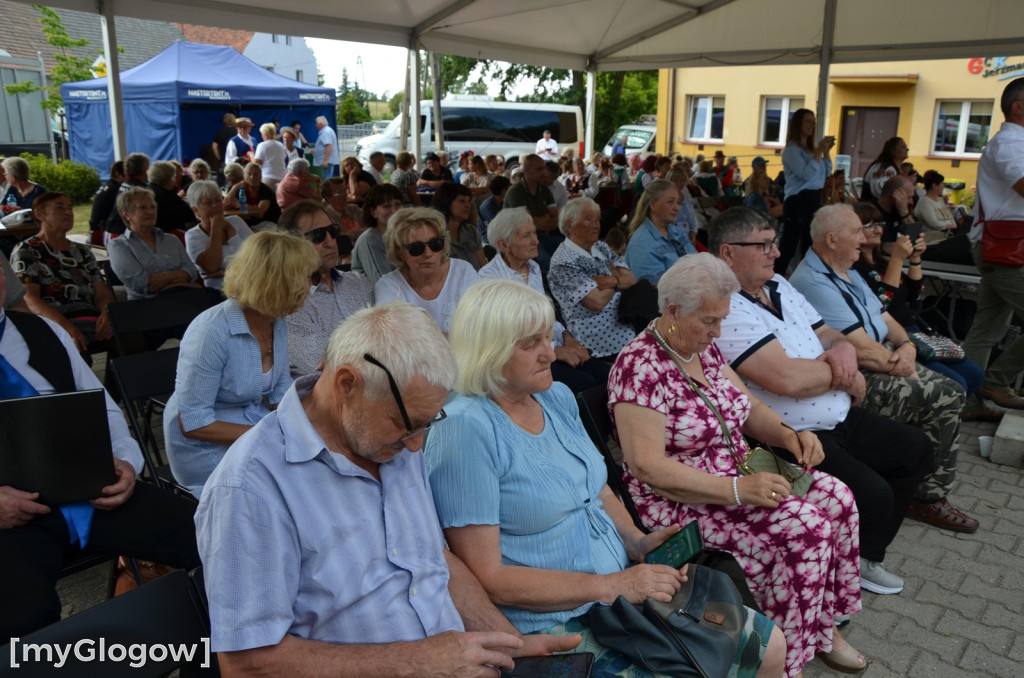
[677, 354]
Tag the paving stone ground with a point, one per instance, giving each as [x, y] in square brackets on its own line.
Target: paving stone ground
[961, 613]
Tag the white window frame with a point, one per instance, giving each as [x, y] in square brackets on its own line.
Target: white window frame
[298, 74]
[783, 119]
[962, 128]
[705, 135]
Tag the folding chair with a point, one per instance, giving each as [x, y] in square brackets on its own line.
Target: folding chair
[146, 381]
[593, 404]
[167, 314]
[157, 617]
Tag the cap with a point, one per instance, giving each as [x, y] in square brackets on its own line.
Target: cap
[758, 161]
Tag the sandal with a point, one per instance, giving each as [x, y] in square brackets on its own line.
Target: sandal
[847, 660]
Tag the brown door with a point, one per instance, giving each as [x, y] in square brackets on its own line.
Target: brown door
[865, 131]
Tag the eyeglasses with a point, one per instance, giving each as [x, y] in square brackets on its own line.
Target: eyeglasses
[766, 246]
[874, 224]
[318, 235]
[416, 249]
[410, 431]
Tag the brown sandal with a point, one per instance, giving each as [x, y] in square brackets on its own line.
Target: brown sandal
[847, 660]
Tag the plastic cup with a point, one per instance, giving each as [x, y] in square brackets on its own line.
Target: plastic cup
[985, 445]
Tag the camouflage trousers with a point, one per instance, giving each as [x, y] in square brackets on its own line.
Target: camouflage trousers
[932, 403]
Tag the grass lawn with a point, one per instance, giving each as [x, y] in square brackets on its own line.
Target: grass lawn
[82, 214]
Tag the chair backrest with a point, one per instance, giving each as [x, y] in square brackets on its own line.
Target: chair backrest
[593, 405]
[161, 618]
[165, 312]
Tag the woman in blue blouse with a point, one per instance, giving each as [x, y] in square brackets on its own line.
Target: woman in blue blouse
[233, 365]
[521, 491]
[805, 166]
[655, 241]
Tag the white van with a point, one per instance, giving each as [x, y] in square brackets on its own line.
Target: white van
[484, 126]
[639, 140]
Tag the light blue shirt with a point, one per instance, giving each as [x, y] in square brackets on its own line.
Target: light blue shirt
[133, 261]
[844, 305]
[541, 490]
[649, 254]
[296, 539]
[802, 171]
[220, 378]
[326, 136]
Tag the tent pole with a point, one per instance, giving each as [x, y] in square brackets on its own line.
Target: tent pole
[589, 114]
[110, 55]
[414, 111]
[827, 37]
[435, 67]
[404, 134]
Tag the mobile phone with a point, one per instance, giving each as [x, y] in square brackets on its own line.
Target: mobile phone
[575, 665]
[913, 230]
[683, 547]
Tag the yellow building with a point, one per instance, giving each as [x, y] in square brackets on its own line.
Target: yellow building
[945, 110]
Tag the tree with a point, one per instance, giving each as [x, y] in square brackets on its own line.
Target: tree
[350, 112]
[69, 68]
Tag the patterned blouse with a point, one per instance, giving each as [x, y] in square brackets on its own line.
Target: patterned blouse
[64, 276]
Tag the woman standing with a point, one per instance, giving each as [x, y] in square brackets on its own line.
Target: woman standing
[655, 241]
[233, 365]
[887, 165]
[216, 237]
[271, 156]
[805, 166]
[455, 202]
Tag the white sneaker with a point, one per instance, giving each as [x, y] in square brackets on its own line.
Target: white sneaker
[875, 578]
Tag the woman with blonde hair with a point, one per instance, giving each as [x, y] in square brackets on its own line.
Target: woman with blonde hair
[233, 365]
[655, 241]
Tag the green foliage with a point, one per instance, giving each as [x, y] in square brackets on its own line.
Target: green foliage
[74, 178]
[622, 97]
[395, 104]
[69, 68]
[350, 111]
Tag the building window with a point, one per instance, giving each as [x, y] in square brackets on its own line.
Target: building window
[962, 127]
[270, 68]
[298, 75]
[775, 115]
[288, 40]
[273, 37]
[707, 117]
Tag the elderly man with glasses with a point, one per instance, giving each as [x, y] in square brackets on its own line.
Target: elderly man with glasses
[321, 547]
[333, 296]
[807, 373]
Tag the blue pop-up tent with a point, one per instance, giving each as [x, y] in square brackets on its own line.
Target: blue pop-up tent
[173, 104]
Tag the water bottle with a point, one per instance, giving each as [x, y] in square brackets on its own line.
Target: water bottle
[243, 202]
[12, 201]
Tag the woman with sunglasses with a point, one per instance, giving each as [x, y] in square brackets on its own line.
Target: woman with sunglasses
[62, 280]
[216, 237]
[426, 276]
[233, 364]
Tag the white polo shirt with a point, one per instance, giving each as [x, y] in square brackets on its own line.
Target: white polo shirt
[750, 325]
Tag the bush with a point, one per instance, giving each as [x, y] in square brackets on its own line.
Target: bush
[74, 178]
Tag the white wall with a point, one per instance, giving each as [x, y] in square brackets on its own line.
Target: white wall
[284, 58]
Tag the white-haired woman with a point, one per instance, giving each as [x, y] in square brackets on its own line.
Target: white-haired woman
[655, 241]
[216, 237]
[271, 155]
[426, 276]
[681, 413]
[521, 492]
[198, 170]
[586, 280]
[19, 185]
[233, 364]
[514, 235]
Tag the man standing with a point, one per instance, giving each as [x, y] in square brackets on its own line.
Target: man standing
[806, 372]
[325, 152]
[620, 145]
[537, 198]
[242, 146]
[329, 488]
[219, 147]
[37, 357]
[1000, 199]
[547, 148]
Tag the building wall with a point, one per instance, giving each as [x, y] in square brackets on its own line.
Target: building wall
[284, 54]
[913, 87]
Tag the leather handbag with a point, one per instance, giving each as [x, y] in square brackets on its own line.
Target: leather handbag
[696, 634]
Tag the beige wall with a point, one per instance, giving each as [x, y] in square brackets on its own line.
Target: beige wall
[912, 86]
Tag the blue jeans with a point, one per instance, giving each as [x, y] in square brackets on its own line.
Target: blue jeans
[967, 373]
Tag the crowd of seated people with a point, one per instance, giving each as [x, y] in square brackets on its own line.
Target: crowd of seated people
[294, 359]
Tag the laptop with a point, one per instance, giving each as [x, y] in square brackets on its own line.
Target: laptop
[57, 445]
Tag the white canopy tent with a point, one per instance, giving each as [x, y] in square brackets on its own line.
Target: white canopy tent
[610, 35]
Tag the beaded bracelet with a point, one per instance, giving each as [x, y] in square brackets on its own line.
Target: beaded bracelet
[735, 491]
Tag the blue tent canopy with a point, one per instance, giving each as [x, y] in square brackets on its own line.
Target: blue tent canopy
[173, 103]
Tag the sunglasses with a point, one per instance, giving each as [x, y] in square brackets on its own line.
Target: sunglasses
[417, 248]
[318, 235]
[410, 431]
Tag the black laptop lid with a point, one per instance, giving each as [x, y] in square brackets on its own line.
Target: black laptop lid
[57, 445]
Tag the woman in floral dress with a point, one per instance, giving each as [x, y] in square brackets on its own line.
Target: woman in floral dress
[800, 555]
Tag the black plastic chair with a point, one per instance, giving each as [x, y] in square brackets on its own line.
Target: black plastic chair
[135, 323]
[163, 613]
[146, 381]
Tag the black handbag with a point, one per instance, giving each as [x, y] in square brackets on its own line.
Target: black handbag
[696, 634]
